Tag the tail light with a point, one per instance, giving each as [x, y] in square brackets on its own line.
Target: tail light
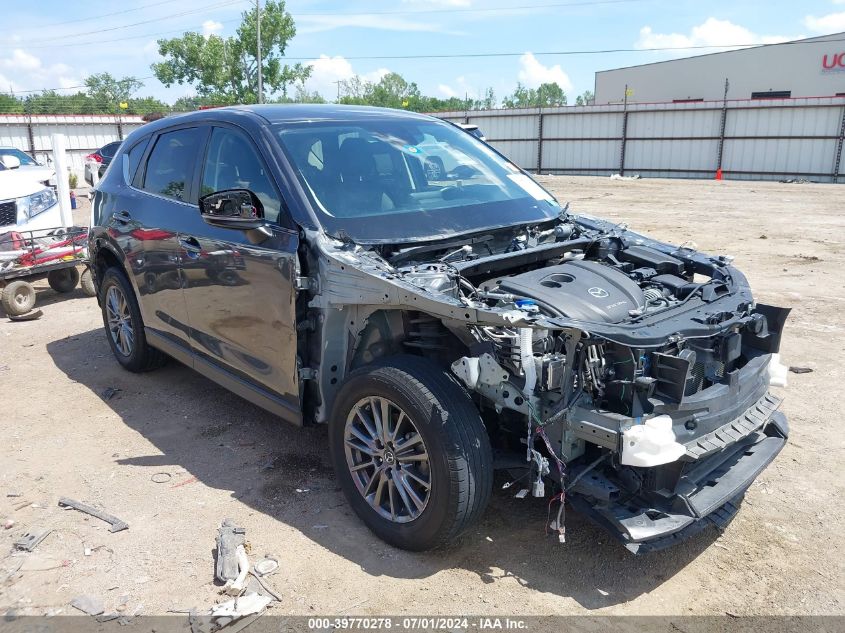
[95, 157]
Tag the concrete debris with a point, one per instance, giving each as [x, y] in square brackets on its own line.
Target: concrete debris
[801, 370]
[9, 524]
[116, 524]
[229, 538]
[87, 603]
[621, 177]
[30, 540]
[249, 604]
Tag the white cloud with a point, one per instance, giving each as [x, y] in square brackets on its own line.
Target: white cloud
[25, 71]
[532, 73]
[211, 27]
[446, 91]
[830, 23]
[461, 88]
[21, 61]
[326, 71]
[711, 32]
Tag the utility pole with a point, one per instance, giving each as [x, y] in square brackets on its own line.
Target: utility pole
[337, 83]
[258, 38]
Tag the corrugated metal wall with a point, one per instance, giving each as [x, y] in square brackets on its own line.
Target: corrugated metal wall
[749, 139]
[769, 140]
[84, 132]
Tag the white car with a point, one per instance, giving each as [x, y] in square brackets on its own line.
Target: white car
[28, 165]
[26, 204]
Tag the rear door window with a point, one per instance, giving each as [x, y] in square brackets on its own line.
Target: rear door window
[170, 167]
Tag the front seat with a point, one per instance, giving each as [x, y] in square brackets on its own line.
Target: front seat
[361, 190]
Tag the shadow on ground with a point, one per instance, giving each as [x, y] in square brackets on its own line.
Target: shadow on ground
[229, 444]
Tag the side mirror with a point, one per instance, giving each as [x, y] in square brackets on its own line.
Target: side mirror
[232, 209]
[10, 162]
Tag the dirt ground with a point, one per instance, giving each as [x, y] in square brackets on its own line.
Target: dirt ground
[217, 456]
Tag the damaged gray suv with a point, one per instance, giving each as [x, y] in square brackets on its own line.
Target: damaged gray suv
[444, 323]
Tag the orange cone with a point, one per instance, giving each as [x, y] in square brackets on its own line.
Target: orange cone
[719, 174]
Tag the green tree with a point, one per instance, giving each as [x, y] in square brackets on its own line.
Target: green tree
[585, 99]
[228, 67]
[545, 96]
[108, 92]
[487, 102]
[10, 104]
[355, 91]
[146, 105]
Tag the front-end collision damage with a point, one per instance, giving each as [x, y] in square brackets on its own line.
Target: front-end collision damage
[631, 376]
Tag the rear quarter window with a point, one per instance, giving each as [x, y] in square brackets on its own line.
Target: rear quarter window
[132, 159]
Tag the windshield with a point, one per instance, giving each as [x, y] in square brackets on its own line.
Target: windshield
[26, 159]
[402, 179]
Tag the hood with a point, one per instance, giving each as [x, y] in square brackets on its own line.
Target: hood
[17, 183]
[37, 172]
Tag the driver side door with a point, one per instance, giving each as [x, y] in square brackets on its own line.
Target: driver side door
[239, 284]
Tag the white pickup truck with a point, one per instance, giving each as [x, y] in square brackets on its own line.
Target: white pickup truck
[26, 204]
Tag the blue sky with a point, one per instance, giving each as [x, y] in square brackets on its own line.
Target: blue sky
[55, 43]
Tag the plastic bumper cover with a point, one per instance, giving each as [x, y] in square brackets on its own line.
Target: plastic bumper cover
[708, 494]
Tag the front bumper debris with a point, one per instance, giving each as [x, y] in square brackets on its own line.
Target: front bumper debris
[708, 492]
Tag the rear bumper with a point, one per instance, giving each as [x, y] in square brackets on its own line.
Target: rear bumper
[708, 493]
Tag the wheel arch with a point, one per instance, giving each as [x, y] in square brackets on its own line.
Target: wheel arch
[356, 336]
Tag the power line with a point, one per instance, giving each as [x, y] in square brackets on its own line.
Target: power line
[519, 54]
[555, 5]
[122, 39]
[105, 15]
[44, 43]
[150, 21]
[572, 52]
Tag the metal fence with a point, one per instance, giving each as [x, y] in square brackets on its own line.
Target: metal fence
[750, 139]
[85, 133]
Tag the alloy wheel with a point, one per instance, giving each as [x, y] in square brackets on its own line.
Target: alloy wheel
[120, 321]
[387, 459]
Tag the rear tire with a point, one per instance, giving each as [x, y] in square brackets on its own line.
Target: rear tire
[18, 298]
[124, 326]
[63, 280]
[86, 283]
[443, 429]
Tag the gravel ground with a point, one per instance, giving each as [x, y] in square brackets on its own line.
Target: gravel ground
[217, 456]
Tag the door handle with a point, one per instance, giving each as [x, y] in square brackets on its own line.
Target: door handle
[191, 245]
[123, 217]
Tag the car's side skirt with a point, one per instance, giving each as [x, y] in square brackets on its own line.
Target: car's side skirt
[254, 394]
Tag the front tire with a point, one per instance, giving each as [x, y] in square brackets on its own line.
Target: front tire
[410, 452]
[124, 326]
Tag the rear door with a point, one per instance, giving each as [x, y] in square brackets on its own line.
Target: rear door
[239, 285]
[159, 208]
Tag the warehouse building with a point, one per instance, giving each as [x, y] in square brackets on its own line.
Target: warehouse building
[813, 67]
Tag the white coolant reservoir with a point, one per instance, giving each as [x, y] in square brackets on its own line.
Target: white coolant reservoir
[651, 443]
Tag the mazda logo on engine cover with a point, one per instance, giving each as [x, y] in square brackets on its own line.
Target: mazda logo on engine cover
[598, 293]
